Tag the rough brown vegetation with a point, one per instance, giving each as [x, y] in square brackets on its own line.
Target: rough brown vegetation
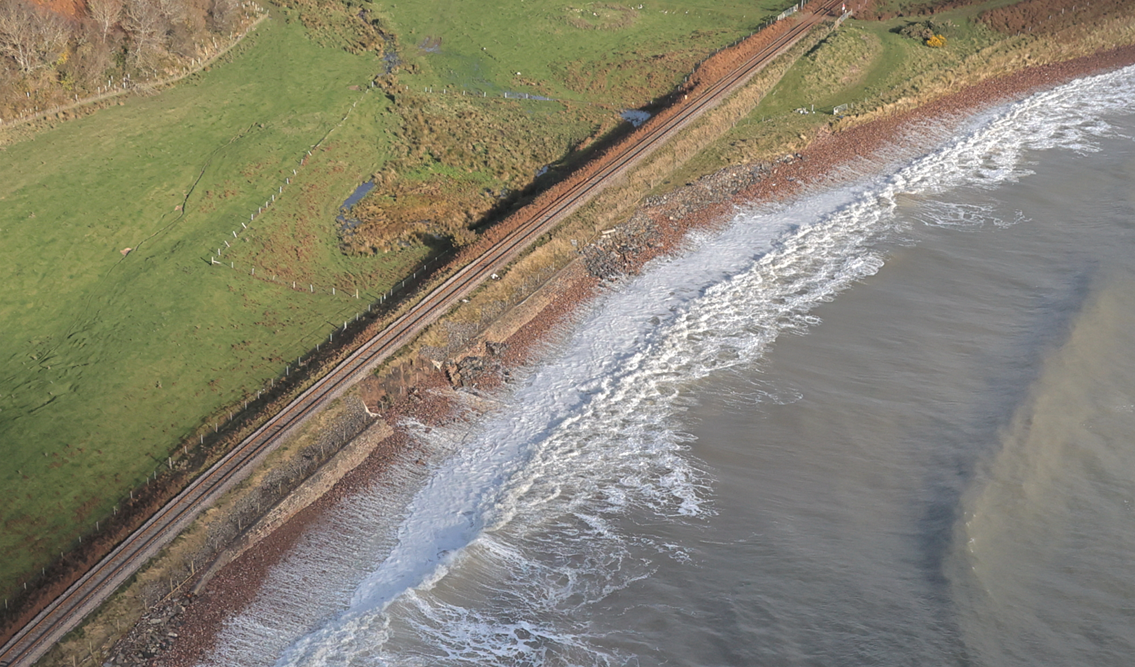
[339, 23]
[453, 166]
[1050, 16]
[54, 51]
[620, 78]
[882, 10]
[456, 165]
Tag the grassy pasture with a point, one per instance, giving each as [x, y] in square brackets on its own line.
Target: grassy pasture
[107, 362]
[614, 54]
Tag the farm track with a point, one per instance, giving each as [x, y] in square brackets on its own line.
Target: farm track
[94, 587]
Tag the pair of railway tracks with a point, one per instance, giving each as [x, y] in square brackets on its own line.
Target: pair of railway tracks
[98, 583]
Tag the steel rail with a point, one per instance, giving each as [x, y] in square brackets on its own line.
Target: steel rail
[63, 613]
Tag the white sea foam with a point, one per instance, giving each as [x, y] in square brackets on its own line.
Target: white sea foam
[523, 524]
[964, 216]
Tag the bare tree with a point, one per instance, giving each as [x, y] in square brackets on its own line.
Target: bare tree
[90, 56]
[146, 25]
[174, 11]
[105, 14]
[223, 14]
[31, 36]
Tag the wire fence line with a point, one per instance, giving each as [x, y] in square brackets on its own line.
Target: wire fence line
[217, 255]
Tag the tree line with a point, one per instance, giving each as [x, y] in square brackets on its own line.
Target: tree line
[48, 56]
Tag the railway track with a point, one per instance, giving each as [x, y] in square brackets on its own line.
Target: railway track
[66, 611]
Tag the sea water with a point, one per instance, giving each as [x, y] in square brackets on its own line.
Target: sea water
[890, 423]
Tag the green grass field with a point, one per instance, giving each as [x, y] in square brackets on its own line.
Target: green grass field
[598, 52]
[109, 362]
